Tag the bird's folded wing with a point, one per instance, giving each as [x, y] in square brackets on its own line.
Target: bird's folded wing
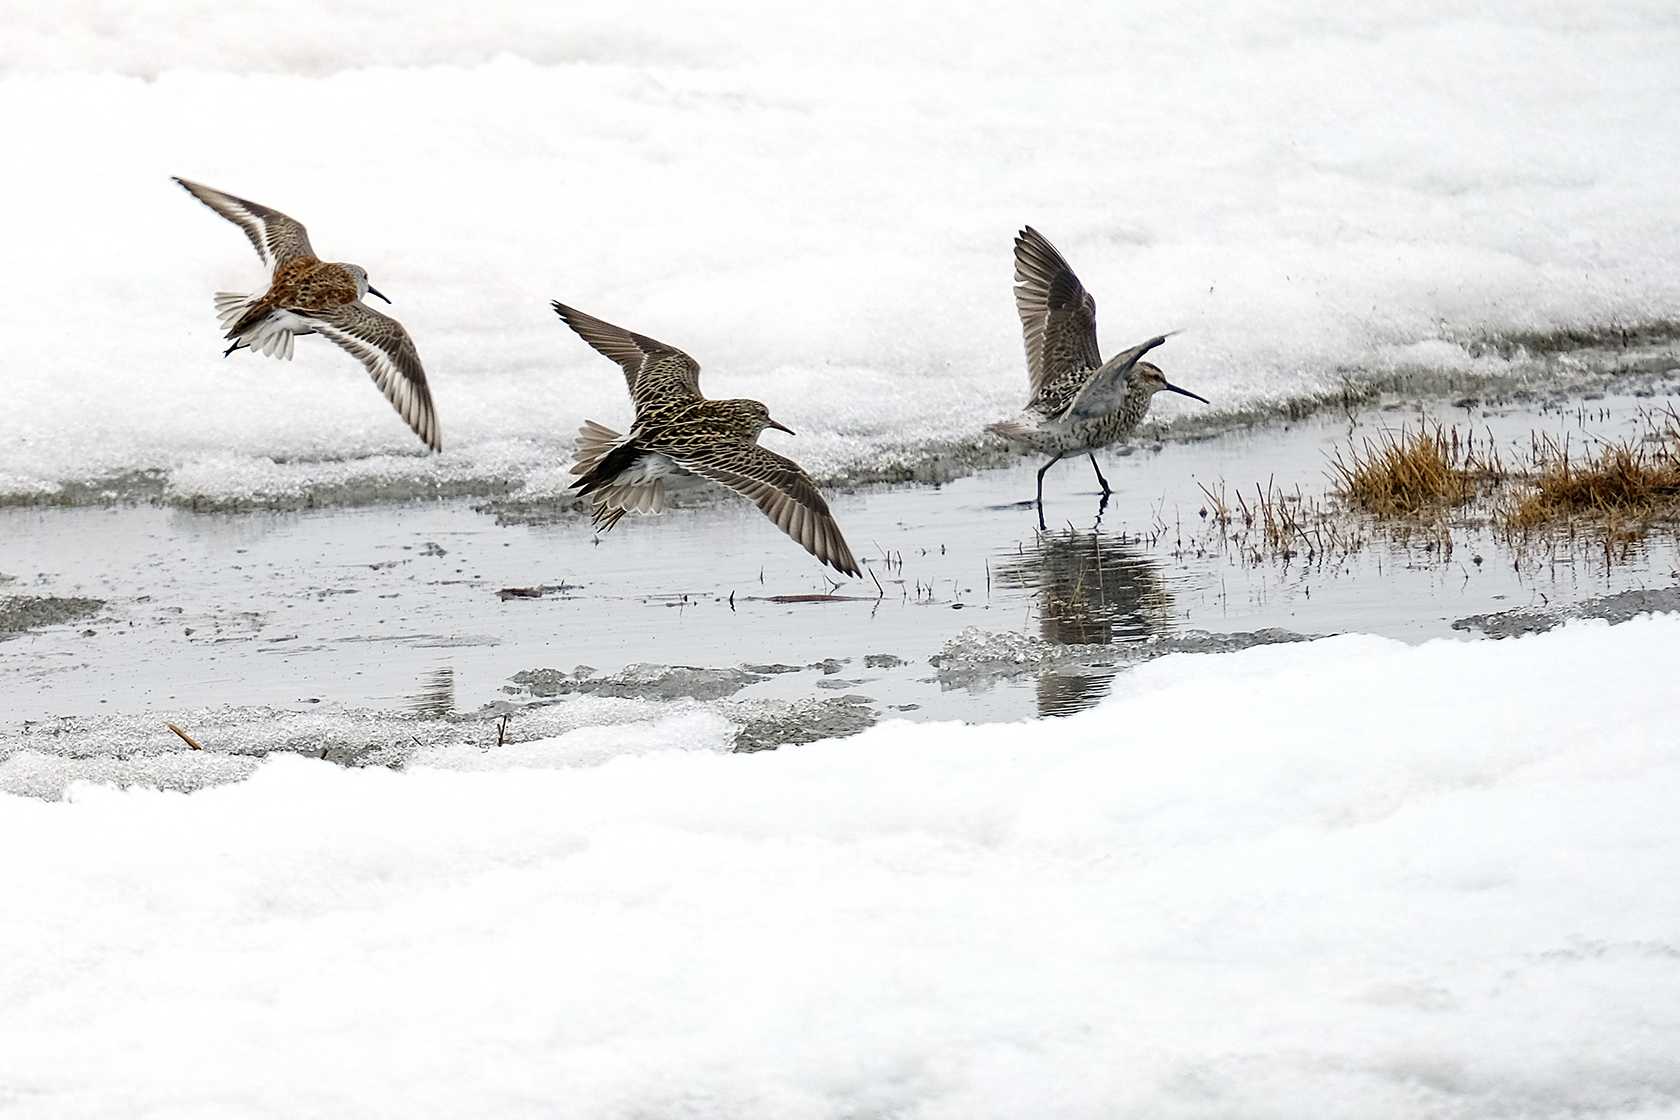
[389, 355]
[277, 238]
[1103, 393]
[785, 493]
[1058, 316]
[652, 370]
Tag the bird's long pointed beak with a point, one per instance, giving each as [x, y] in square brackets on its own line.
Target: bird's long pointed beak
[781, 428]
[1186, 392]
[373, 291]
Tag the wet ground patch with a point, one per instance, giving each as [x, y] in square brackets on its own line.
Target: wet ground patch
[19, 613]
[373, 636]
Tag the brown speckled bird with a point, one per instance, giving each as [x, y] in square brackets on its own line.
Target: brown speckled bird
[678, 431]
[1078, 401]
[307, 295]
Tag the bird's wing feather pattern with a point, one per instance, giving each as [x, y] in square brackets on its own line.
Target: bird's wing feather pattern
[1106, 389]
[652, 370]
[780, 488]
[389, 355]
[276, 237]
[1058, 316]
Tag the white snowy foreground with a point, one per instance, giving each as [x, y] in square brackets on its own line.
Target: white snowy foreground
[816, 202]
[1352, 878]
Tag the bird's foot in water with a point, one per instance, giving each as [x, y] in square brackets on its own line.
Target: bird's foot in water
[1101, 481]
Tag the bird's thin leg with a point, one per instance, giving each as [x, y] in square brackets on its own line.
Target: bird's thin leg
[1040, 502]
[231, 349]
[1100, 479]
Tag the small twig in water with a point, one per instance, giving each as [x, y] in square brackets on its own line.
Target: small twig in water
[189, 739]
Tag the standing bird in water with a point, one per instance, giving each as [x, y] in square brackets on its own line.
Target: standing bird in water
[307, 295]
[1079, 402]
[677, 431]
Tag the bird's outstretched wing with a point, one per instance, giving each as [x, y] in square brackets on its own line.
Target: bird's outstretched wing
[389, 355]
[782, 489]
[1058, 316]
[277, 238]
[652, 370]
[1103, 393]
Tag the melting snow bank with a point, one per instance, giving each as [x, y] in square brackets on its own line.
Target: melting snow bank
[528, 480]
[1348, 876]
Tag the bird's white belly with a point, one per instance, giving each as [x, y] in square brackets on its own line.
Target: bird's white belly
[273, 333]
[649, 467]
[1048, 436]
[654, 467]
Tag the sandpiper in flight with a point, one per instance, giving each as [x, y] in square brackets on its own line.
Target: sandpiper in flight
[678, 431]
[307, 295]
[1079, 402]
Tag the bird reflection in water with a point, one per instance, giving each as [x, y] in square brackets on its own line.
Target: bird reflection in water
[1091, 589]
[437, 698]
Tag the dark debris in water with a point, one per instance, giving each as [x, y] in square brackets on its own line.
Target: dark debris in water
[538, 591]
[813, 598]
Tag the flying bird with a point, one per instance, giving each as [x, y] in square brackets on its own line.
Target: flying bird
[1078, 402]
[678, 431]
[306, 295]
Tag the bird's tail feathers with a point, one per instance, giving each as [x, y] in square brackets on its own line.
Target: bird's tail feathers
[616, 499]
[231, 305]
[612, 499]
[1011, 430]
[270, 334]
[594, 443]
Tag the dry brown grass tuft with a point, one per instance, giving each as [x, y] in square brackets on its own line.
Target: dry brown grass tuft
[1413, 490]
[1407, 474]
[1625, 486]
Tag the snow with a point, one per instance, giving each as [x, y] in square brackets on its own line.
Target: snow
[1278, 882]
[1345, 878]
[818, 206]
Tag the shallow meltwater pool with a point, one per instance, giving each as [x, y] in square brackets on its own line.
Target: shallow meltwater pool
[439, 616]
